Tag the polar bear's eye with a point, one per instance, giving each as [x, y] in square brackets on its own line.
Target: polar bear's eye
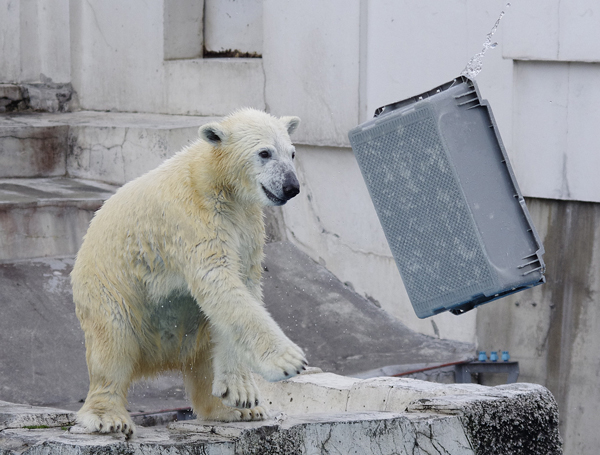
[293, 155]
[264, 154]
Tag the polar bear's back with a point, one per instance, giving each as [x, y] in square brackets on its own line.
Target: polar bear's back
[125, 277]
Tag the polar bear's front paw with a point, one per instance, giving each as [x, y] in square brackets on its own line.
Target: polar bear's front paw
[282, 363]
[237, 390]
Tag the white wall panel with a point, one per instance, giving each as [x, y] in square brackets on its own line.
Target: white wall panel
[311, 58]
[10, 48]
[233, 25]
[554, 30]
[556, 134]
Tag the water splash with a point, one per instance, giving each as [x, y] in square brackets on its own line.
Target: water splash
[475, 65]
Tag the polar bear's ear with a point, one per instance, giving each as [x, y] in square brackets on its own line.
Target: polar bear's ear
[291, 123]
[212, 133]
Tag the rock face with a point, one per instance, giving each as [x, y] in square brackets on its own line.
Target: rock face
[396, 416]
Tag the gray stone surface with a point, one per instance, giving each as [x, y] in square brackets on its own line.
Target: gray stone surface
[428, 419]
[46, 216]
[514, 418]
[43, 357]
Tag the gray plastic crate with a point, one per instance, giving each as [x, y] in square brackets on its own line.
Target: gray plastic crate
[446, 196]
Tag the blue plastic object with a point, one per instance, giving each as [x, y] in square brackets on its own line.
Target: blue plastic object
[494, 356]
[482, 356]
[505, 356]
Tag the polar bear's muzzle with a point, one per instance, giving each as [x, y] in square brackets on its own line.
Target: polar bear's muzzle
[289, 188]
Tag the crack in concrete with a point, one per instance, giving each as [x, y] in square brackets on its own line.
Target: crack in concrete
[321, 227]
[98, 25]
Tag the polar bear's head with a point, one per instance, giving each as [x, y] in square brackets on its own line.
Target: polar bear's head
[255, 155]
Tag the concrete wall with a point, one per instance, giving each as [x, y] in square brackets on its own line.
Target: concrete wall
[109, 36]
[34, 41]
[552, 330]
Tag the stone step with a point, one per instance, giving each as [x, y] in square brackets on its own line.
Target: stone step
[394, 416]
[111, 147]
[47, 216]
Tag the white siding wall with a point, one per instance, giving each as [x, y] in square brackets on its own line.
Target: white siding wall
[34, 41]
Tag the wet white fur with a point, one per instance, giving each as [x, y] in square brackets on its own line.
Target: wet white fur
[168, 277]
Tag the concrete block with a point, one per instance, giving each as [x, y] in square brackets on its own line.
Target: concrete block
[49, 97]
[370, 394]
[154, 441]
[21, 415]
[46, 217]
[308, 393]
[109, 36]
[119, 153]
[11, 92]
[106, 146]
[27, 151]
[214, 86]
[495, 420]
[362, 433]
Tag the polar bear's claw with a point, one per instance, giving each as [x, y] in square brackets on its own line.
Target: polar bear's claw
[283, 364]
[240, 390]
[106, 423]
[236, 415]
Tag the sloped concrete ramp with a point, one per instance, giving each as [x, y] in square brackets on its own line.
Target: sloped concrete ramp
[42, 360]
[341, 331]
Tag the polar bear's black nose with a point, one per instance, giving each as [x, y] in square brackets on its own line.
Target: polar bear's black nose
[291, 187]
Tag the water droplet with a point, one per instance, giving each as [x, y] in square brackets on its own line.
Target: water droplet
[475, 65]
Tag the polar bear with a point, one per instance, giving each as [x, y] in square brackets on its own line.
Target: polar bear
[168, 276]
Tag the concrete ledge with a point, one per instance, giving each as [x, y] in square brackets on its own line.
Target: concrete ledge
[112, 147]
[23, 415]
[423, 418]
[46, 216]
